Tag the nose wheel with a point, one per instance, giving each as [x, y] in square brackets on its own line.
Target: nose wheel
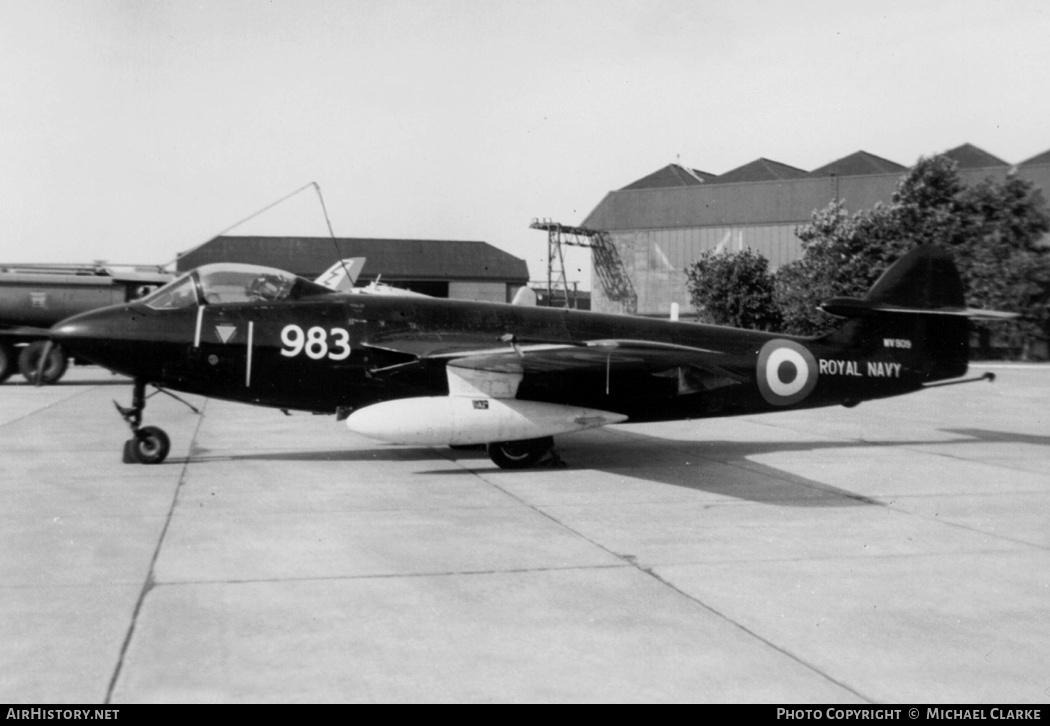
[148, 444]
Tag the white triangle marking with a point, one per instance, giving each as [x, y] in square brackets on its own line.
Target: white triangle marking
[226, 332]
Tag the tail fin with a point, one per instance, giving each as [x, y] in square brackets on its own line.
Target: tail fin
[525, 296]
[342, 275]
[918, 308]
[924, 280]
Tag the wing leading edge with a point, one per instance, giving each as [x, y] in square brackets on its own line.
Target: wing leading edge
[637, 355]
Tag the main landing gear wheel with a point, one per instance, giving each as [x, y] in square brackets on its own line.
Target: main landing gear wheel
[149, 445]
[519, 454]
[53, 368]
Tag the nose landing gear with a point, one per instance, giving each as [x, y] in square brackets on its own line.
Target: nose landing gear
[149, 444]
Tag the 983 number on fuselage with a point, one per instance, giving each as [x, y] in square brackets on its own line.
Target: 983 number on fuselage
[315, 342]
[245, 353]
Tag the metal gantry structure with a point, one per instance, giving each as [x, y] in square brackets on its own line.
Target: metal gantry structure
[608, 265]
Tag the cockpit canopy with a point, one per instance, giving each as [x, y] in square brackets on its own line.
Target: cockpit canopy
[228, 282]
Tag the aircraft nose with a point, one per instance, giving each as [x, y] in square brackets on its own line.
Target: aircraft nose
[90, 326]
[105, 337]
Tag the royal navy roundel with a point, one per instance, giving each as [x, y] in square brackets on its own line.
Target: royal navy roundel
[787, 372]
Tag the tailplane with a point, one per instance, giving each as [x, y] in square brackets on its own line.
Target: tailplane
[918, 306]
[924, 280]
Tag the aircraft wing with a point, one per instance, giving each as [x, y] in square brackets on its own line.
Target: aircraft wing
[596, 354]
[426, 346]
[542, 358]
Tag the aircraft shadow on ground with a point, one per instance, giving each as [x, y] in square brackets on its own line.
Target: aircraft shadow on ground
[116, 381]
[1000, 437]
[382, 452]
[713, 467]
[702, 465]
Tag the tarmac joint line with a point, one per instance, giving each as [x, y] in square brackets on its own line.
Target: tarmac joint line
[150, 583]
[632, 561]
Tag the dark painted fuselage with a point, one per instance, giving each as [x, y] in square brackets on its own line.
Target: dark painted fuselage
[345, 351]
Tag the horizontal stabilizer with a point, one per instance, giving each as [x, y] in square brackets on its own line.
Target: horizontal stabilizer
[851, 307]
[976, 314]
[925, 281]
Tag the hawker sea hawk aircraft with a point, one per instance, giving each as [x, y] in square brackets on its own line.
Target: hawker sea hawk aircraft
[426, 371]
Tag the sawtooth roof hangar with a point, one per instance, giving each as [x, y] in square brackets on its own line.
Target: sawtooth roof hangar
[464, 270]
[658, 225]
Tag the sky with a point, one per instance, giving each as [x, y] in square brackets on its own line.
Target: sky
[132, 130]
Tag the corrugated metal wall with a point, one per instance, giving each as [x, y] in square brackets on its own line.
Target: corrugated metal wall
[678, 248]
[659, 232]
[656, 260]
[761, 203]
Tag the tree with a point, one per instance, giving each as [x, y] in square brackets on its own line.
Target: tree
[925, 207]
[993, 228]
[733, 289]
[1001, 260]
[843, 255]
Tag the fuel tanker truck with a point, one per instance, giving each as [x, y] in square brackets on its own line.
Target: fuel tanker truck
[35, 297]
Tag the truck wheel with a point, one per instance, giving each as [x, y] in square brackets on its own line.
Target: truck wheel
[54, 367]
[519, 454]
[7, 361]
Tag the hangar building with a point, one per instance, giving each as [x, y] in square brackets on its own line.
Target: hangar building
[458, 269]
[659, 224]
